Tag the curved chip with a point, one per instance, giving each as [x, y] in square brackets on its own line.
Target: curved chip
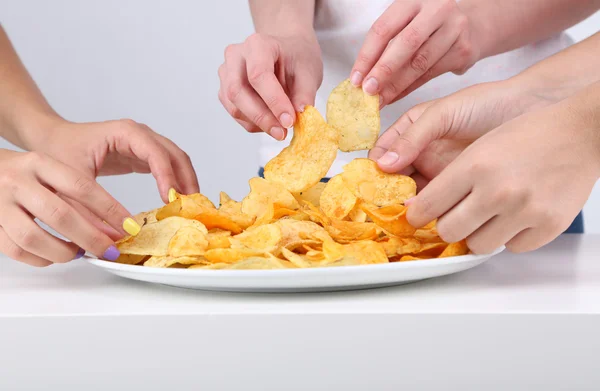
[367, 182]
[188, 241]
[355, 114]
[391, 218]
[337, 201]
[308, 157]
[262, 193]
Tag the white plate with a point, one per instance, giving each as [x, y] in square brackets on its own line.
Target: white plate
[298, 280]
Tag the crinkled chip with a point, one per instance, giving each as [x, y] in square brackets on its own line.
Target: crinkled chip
[168, 261]
[356, 115]
[312, 194]
[337, 201]
[153, 239]
[373, 186]
[391, 218]
[263, 193]
[309, 156]
[188, 241]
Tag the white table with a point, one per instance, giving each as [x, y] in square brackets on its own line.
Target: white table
[519, 322]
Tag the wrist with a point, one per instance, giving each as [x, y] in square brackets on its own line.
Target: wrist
[39, 133]
[480, 31]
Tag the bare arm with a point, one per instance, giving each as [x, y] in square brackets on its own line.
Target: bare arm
[509, 24]
[282, 16]
[22, 105]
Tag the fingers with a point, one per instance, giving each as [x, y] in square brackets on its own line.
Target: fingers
[495, 233]
[59, 215]
[303, 89]
[423, 59]
[92, 218]
[396, 17]
[241, 94]
[261, 55]
[441, 194]
[401, 144]
[34, 240]
[402, 48]
[12, 250]
[185, 173]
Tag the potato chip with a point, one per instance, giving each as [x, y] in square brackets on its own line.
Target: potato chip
[311, 194]
[394, 246]
[405, 258]
[298, 260]
[260, 263]
[230, 255]
[216, 219]
[233, 210]
[309, 156]
[431, 250]
[391, 218]
[455, 249]
[146, 217]
[188, 241]
[355, 114]
[265, 238]
[337, 201]
[167, 261]
[153, 239]
[350, 231]
[357, 214]
[297, 233]
[365, 251]
[263, 193]
[131, 259]
[218, 239]
[371, 185]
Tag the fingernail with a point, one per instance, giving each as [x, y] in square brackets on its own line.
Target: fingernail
[286, 120]
[371, 86]
[111, 254]
[277, 133]
[172, 195]
[409, 201]
[388, 158]
[356, 79]
[80, 253]
[131, 226]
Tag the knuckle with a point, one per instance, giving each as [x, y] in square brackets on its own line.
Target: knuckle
[15, 252]
[84, 186]
[34, 159]
[256, 74]
[412, 38]
[259, 117]
[381, 28]
[96, 244]
[230, 51]
[479, 247]
[27, 238]
[256, 38]
[113, 208]
[363, 58]
[59, 216]
[9, 181]
[462, 22]
[128, 123]
[447, 232]
[385, 69]
[233, 91]
[420, 62]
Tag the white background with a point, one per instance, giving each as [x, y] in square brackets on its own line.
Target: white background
[156, 62]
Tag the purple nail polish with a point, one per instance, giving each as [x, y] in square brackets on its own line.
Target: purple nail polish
[111, 254]
[80, 253]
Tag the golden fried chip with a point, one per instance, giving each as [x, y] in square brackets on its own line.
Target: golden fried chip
[260, 263]
[391, 218]
[233, 210]
[355, 114]
[407, 258]
[188, 241]
[297, 233]
[364, 251]
[311, 194]
[231, 255]
[168, 261]
[153, 239]
[431, 250]
[298, 260]
[394, 246]
[263, 193]
[357, 214]
[368, 183]
[266, 238]
[455, 249]
[216, 219]
[131, 259]
[146, 217]
[337, 201]
[218, 239]
[308, 157]
[350, 231]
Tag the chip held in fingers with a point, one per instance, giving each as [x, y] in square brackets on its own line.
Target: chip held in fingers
[356, 115]
[309, 156]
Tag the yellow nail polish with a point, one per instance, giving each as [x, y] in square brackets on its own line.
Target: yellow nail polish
[172, 195]
[131, 227]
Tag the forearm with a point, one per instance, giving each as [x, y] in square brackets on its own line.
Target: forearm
[283, 16]
[501, 26]
[564, 73]
[23, 109]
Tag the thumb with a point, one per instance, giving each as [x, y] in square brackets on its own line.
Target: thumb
[412, 133]
[303, 89]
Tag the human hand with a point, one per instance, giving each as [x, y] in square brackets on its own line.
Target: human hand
[266, 79]
[38, 186]
[412, 42]
[520, 185]
[119, 147]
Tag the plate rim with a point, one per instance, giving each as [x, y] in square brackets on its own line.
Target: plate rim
[424, 263]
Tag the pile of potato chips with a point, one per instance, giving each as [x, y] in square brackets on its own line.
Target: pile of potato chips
[290, 219]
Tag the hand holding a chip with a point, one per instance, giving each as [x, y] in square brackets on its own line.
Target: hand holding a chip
[268, 78]
[520, 184]
[412, 42]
